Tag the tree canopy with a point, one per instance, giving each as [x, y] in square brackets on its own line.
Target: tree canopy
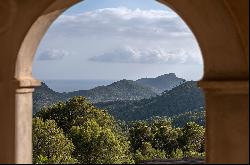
[78, 132]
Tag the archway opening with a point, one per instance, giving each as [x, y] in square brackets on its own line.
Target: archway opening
[131, 57]
[147, 47]
[186, 57]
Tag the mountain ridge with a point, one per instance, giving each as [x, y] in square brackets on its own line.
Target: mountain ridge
[120, 94]
[186, 97]
[162, 83]
[119, 90]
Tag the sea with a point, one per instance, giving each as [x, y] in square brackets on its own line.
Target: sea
[75, 85]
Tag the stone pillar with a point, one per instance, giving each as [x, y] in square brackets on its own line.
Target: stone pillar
[227, 121]
[16, 121]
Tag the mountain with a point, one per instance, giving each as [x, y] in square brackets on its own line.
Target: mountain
[43, 96]
[133, 100]
[186, 97]
[120, 90]
[162, 83]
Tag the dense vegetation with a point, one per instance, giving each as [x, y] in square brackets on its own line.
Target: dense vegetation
[44, 96]
[78, 132]
[182, 99]
[183, 103]
[120, 90]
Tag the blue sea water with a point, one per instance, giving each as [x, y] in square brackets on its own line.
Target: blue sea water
[74, 85]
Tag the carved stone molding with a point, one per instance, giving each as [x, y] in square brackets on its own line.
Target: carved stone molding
[8, 9]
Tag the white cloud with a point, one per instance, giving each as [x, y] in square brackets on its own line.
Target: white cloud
[147, 56]
[153, 37]
[52, 54]
[122, 22]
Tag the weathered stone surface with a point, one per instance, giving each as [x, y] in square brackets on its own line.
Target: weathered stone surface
[221, 28]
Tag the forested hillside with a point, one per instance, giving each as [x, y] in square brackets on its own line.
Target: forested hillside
[120, 90]
[162, 83]
[44, 96]
[184, 98]
[129, 101]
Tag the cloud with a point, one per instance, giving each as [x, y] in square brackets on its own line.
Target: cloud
[147, 56]
[120, 22]
[52, 54]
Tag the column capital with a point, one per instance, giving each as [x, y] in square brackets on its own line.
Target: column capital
[26, 85]
[225, 86]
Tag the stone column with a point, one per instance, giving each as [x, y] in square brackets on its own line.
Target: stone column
[227, 121]
[16, 121]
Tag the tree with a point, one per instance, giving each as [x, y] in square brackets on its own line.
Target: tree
[147, 152]
[139, 133]
[50, 144]
[192, 140]
[99, 145]
[165, 136]
[95, 134]
[74, 112]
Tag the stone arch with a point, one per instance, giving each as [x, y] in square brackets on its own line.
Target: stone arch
[206, 26]
[220, 28]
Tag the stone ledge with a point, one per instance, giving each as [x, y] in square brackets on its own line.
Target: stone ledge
[175, 161]
[226, 87]
[28, 83]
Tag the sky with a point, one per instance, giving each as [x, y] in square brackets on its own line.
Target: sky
[117, 39]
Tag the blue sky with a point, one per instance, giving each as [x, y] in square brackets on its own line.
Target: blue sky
[89, 5]
[117, 39]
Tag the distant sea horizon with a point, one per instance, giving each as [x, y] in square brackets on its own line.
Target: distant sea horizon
[60, 85]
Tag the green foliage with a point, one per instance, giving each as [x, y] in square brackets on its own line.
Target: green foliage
[99, 145]
[75, 112]
[197, 116]
[139, 133]
[50, 144]
[40, 159]
[147, 152]
[89, 128]
[192, 139]
[165, 136]
[177, 154]
[96, 138]
[158, 135]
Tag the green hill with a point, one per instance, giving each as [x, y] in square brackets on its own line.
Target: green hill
[184, 98]
[129, 100]
[120, 90]
[162, 83]
[43, 96]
